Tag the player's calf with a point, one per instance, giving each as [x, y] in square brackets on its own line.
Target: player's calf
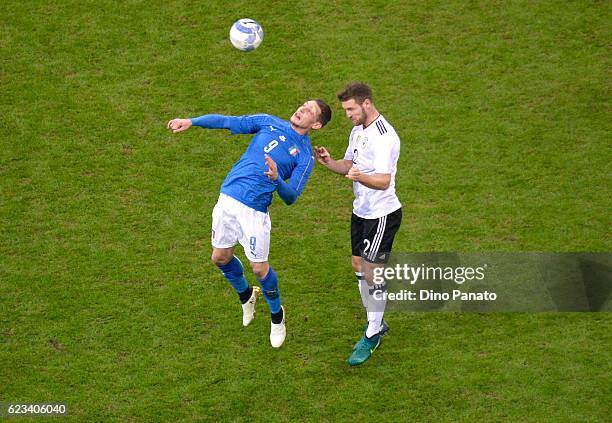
[269, 285]
[234, 273]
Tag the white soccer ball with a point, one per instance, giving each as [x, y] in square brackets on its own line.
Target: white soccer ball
[246, 34]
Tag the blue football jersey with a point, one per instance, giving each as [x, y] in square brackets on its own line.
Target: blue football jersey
[292, 152]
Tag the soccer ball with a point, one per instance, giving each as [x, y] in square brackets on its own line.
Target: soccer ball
[246, 34]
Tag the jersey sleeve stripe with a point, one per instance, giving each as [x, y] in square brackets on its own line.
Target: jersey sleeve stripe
[381, 127]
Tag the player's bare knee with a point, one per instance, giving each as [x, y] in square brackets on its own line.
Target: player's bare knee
[356, 263]
[219, 258]
[260, 270]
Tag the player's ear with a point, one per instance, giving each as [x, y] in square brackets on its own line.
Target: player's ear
[317, 125]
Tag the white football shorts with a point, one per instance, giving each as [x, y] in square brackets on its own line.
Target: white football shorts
[234, 222]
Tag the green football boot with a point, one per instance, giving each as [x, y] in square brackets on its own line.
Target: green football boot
[364, 349]
[384, 328]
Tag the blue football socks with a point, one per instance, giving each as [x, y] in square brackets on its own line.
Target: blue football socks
[269, 285]
[234, 273]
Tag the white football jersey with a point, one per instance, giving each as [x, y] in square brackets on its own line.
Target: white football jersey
[374, 149]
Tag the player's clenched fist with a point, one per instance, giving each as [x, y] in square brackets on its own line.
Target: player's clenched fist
[354, 174]
[179, 125]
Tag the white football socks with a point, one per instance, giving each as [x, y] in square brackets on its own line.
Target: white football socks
[363, 289]
[375, 318]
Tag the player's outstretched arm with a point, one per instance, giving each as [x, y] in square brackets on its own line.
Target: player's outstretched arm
[238, 125]
[338, 166]
[179, 125]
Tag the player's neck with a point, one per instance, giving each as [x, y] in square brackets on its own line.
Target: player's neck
[299, 130]
[371, 117]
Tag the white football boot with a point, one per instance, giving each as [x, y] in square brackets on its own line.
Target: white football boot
[248, 308]
[278, 332]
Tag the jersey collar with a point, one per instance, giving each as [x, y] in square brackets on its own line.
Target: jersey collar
[372, 123]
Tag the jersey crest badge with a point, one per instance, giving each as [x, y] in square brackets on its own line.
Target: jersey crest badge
[361, 141]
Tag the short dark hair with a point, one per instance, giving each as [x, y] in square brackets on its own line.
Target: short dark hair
[357, 91]
[326, 113]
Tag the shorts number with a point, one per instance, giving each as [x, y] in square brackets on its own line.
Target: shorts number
[367, 246]
[270, 146]
[252, 243]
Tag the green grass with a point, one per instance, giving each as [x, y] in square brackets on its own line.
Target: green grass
[108, 300]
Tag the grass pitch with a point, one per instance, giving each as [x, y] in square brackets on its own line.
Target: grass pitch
[108, 301]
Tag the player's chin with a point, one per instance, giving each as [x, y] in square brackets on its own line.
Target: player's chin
[300, 125]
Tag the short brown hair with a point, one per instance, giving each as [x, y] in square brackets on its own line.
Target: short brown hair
[357, 91]
[326, 113]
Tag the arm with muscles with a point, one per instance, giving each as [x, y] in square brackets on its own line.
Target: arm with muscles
[379, 181]
[236, 124]
[338, 166]
[345, 167]
[205, 121]
[288, 192]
